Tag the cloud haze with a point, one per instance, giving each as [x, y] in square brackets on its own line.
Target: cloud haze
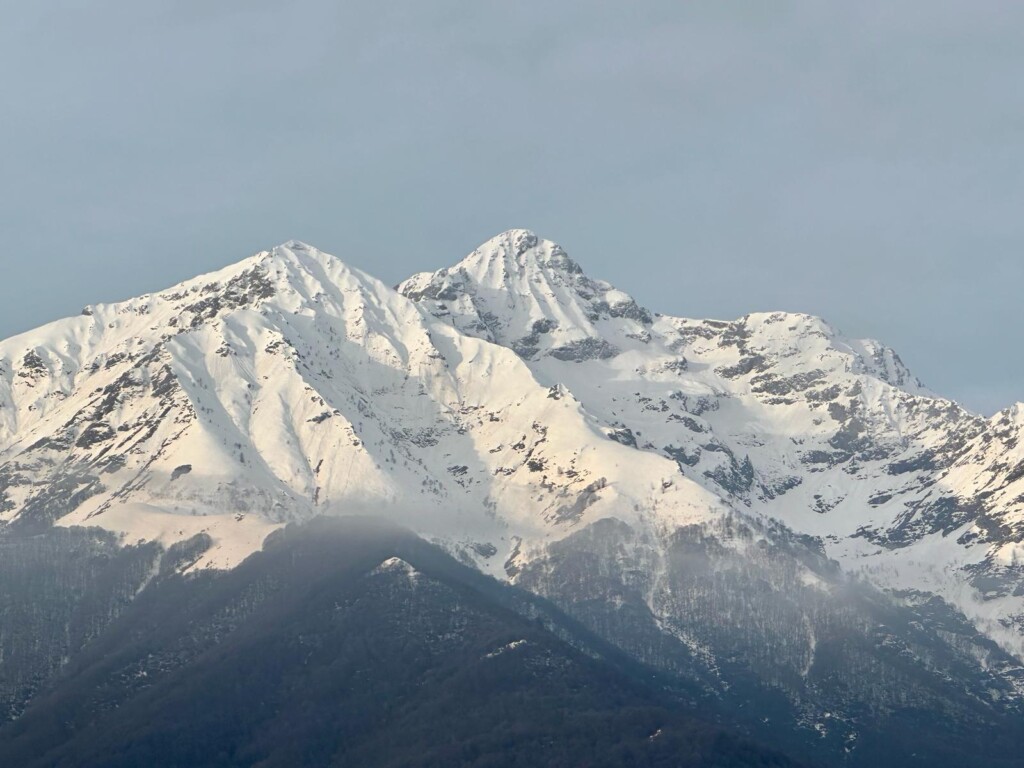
[860, 161]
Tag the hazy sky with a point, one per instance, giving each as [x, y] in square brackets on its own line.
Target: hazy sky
[863, 161]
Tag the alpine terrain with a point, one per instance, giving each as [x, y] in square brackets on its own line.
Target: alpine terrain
[777, 528]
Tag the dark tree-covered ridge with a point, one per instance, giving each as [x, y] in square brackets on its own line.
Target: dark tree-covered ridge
[347, 643]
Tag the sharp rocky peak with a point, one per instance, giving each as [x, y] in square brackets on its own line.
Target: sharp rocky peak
[525, 292]
[515, 252]
[1012, 416]
[504, 262]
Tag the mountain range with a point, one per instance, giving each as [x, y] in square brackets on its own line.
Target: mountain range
[781, 525]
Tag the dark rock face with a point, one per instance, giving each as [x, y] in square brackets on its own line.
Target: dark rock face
[736, 477]
[181, 471]
[246, 289]
[94, 434]
[585, 349]
[32, 366]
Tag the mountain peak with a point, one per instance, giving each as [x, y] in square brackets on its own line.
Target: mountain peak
[520, 240]
[517, 251]
[523, 291]
[294, 274]
[293, 254]
[297, 245]
[1013, 415]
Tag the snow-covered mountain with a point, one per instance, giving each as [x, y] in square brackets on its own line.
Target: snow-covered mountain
[290, 384]
[519, 412]
[777, 415]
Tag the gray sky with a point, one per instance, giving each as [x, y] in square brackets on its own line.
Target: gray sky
[861, 161]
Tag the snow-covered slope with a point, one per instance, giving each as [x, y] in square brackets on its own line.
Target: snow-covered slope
[504, 405]
[288, 385]
[777, 414]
